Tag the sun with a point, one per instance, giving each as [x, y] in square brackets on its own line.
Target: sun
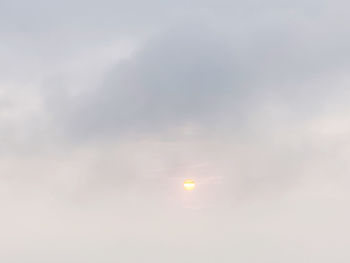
[189, 184]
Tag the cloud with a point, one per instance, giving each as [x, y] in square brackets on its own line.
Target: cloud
[201, 72]
[180, 78]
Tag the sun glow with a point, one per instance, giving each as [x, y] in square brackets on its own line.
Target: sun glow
[189, 184]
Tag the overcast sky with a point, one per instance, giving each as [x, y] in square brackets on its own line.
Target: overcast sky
[107, 106]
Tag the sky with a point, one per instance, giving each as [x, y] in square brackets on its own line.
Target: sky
[106, 107]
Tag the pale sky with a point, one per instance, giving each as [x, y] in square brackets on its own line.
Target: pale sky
[106, 107]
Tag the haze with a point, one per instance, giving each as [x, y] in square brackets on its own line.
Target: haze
[106, 107]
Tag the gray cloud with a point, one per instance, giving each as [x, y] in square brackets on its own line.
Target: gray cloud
[198, 72]
[181, 77]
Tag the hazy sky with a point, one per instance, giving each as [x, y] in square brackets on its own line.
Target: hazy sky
[107, 106]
